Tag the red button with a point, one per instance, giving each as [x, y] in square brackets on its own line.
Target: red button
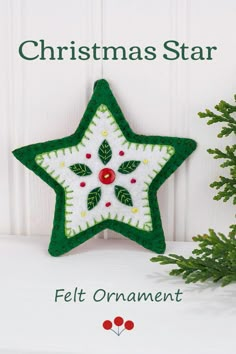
[107, 176]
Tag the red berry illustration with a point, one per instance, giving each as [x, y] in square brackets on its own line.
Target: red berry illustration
[121, 153]
[108, 204]
[133, 180]
[129, 325]
[107, 325]
[88, 156]
[82, 184]
[121, 325]
[118, 321]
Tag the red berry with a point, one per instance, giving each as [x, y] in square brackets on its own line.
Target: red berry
[82, 184]
[88, 156]
[118, 321]
[107, 176]
[108, 204]
[129, 325]
[121, 153]
[107, 325]
[133, 180]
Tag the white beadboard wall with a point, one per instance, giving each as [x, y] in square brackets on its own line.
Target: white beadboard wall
[43, 100]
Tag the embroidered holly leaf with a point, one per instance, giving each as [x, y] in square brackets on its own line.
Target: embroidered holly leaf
[128, 166]
[105, 152]
[80, 169]
[94, 197]
[123, 195]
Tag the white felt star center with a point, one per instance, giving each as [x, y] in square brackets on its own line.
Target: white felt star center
[105, 176]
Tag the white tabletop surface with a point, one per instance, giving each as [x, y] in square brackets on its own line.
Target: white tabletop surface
[32, 322]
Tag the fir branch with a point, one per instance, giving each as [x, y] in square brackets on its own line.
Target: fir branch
[229, 189]
[225, 116]
[215, 259]
[226, 186]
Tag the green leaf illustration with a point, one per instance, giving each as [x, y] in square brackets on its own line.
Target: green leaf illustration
[123, 195]
[94, 198]
[128, 166]
[80, 169]
[105, 152]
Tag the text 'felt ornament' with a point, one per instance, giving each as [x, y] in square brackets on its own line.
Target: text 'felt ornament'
[105, 176]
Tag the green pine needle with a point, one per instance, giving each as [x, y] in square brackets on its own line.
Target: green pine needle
[215, 259]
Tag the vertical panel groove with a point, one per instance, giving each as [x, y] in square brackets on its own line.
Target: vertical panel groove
[4, 114]
[27, 200]
[172, 126]
[17, 192]
[181, 126]
[188, 36]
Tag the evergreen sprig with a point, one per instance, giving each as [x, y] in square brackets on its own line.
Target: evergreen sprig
[215, 257]
[225, 116]
[226, 187]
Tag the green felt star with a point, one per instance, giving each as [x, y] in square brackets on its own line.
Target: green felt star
[105, 176]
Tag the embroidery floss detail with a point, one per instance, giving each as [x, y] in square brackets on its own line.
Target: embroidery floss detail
[109, 188]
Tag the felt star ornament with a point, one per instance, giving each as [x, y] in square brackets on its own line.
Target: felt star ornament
[105, 176]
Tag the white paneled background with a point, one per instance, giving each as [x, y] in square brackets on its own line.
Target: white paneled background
[43, 100]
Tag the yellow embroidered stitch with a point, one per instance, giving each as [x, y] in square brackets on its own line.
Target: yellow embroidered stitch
[104, 133]
[134, 210]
